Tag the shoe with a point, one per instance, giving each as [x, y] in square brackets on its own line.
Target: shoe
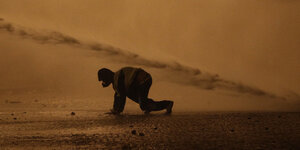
[169, 108]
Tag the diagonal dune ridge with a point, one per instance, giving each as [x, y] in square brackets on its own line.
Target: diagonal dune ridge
[192, 76]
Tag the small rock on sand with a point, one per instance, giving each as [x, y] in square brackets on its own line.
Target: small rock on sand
[133, 132]
[141, 134]
[124, 147]
[72, 113]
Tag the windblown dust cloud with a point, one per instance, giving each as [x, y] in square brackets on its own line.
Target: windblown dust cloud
[214, 55]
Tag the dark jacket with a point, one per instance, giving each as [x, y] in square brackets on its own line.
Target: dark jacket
[126, 77]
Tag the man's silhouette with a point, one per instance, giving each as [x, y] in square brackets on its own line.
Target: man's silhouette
[133, 83]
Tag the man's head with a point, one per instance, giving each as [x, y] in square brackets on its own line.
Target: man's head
[106, 76]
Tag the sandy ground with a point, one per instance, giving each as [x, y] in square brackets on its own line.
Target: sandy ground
[44, 120]
[202, 130]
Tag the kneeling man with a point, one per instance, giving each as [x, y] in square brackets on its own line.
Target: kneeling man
[135, 84]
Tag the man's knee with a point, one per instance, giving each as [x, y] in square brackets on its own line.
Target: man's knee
[146, 104]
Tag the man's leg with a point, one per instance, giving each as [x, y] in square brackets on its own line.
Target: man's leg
[142, 91]
[160, 105]
[147, 104]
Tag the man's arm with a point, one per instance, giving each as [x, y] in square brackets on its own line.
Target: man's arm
[120, 94]
[119, 104]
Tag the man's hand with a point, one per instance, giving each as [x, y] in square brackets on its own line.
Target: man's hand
[113, 112]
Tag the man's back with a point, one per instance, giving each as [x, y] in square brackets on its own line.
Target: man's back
[124, 77]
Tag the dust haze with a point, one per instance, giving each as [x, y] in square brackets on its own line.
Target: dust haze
[215, 55]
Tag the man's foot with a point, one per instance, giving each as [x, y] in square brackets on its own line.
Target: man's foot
[169, 108]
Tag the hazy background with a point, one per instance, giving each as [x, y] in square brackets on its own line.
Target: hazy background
[252, 41]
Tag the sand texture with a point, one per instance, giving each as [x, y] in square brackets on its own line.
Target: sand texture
[96, 130]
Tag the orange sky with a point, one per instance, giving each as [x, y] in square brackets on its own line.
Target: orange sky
[252, 41]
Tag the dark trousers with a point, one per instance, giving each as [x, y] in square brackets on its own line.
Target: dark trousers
[138, 92]
[147, 104]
